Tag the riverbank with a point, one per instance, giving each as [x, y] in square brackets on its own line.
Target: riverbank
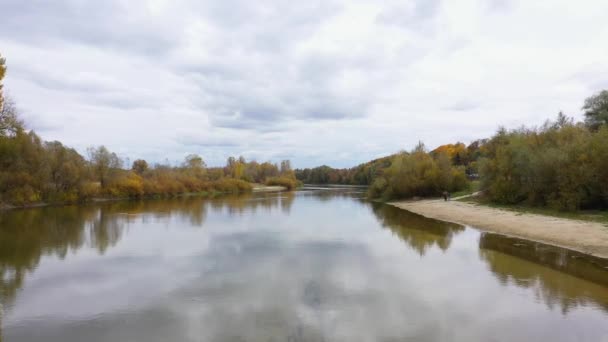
[268, 188]
[582, 236]
[209, 194]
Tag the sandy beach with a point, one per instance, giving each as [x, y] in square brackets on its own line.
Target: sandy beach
[586, 237]
[268, 188]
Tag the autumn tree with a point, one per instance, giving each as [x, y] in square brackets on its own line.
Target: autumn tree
[66, 167]
[560, 165]
[194, 161]
[286, 170]
[195, 165]
[140, 166]
[235, 168]
[267, 170]
[103, 163]
[418, 173]
[596, 110]
[252, 172]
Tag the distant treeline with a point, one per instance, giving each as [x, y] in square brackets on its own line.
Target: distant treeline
[364, 174]
[33, 171]
[562, 164]
[405, 174]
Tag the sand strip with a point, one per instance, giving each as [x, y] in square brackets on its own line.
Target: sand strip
[586, 237]
[268, 188]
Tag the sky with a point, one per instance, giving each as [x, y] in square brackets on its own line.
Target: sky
[317, 82]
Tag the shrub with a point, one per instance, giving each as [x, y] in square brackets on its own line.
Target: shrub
[230, 185]
[129, 185]
[289, 183]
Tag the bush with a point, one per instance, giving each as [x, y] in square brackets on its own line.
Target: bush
[289, 183]
[129, 185]
[230, 185]
[378, 188]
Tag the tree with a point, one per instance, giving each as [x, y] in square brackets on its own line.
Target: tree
[418, 173]
[140, 166]
[195, 165]
[194, 161]
[285, 166]
[2, 73]
[235, 168]
[596, 110]
[103, 163]
[65, 166]
[562, 121]
[286, 170]
[9, 120]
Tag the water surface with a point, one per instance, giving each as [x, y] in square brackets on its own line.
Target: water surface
[315, 265]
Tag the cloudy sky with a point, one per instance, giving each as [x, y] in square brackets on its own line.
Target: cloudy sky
[318, 82]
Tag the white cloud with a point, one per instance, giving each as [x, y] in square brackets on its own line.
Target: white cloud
[321, 82]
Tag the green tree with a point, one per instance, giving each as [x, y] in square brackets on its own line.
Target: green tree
[418, 173]
[596, 110]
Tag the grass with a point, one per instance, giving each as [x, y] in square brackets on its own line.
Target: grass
[600, 216]
[473, 187]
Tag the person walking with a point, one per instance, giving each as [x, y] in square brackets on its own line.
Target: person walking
[445, 196]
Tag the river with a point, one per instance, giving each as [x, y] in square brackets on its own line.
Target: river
[319, 264]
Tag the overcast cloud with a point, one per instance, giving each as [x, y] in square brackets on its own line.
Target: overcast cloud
[319, 82]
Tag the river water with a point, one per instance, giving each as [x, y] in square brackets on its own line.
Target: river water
[314, 265]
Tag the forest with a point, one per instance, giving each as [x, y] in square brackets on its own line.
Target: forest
[408, 173]
[561, 165]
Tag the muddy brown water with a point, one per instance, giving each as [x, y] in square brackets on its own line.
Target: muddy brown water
[315, 265]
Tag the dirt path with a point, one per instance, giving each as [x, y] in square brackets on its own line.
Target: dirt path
[586, 237]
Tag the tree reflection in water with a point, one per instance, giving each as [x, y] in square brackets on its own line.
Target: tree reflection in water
[27, 235]
[418, 232]
[553, 273]
[336, 275]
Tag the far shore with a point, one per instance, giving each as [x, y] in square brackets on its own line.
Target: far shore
[582, 236]
[255, 188]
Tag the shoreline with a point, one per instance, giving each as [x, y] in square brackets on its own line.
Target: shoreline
[255, 189]
[582, 236]
[268, 188]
